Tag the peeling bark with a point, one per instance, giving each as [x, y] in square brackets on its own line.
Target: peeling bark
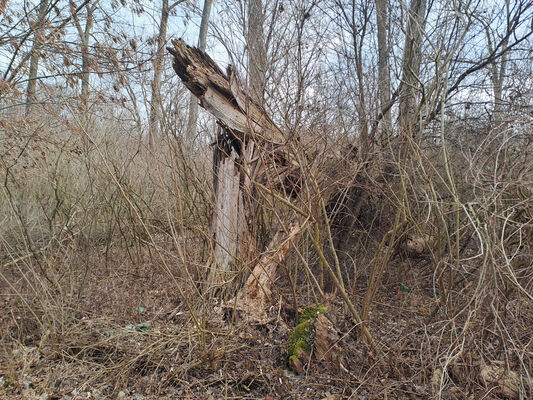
[230, 231]
[256, 295]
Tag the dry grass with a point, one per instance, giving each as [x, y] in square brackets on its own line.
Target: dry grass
[104, 247]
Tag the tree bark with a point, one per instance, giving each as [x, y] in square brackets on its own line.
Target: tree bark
[383, 68]
[256, 52]
[38, 40]
[85, 36]
[156, 105]
[202, 44]
[155, 101]
[497, 70]
[409, 110]
[85, 68]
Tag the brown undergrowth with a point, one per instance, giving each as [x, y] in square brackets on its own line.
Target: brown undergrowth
[104, 252]
[103, 350]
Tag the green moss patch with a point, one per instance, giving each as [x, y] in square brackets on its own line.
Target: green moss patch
[299, 340]
[310, 313]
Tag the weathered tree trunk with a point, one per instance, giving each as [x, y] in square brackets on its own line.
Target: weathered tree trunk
[202, 44]
[276, 169]
[38, 40]
[410, 86]
[228, 206]
[383, 67]
[229, 229]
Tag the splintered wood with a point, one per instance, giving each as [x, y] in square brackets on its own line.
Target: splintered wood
[249, 149]
[221, 95]
[256, 294]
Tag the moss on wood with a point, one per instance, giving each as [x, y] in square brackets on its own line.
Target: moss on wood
[310, 313]
[300, 340]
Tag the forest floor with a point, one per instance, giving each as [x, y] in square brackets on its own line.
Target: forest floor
[127, 333]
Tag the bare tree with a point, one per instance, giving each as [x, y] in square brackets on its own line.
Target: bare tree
[412, 53]
[155, 100]
[383, 66]
[357, 22]
[39, 34]
[84, 33]
[255, 43]
[516, 32]
[16, 61]
[497, 67]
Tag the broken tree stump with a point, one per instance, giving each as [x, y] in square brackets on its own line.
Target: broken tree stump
[262, 155]
[249, 149]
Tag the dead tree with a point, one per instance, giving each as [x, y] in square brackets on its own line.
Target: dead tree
[249, 150]
[267, 162]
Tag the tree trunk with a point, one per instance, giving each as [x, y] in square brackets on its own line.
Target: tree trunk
[358, 30]
[85, 72]
[497, 89]
[85, 64]
[155, 101]
[85, 35]
[202, 44]
[497, 70]
[276, 169]
[383, 67]
[38, 40]
[229, 228]
[409, 111]
[256, 52]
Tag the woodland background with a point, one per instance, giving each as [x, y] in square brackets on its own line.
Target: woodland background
[412, 125]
